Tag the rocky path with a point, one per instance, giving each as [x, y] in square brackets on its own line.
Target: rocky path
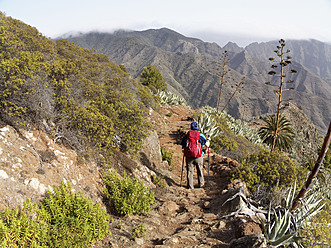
[183, 217]
[170, 132]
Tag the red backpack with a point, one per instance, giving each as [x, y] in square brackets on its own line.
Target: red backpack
[193, 146]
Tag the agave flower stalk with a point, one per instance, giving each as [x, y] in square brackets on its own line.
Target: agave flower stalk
[315, 170]
[278, 70]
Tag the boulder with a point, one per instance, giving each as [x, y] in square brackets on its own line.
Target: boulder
[246, 226]
[150, 154]
[168, 207]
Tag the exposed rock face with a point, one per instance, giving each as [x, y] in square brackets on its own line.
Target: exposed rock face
[31, 163]
[123, 163]
[150, 154]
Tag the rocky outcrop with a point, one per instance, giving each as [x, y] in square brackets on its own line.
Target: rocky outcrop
[31, 163]
[150, 154]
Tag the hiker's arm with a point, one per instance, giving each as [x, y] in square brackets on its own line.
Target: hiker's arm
[202, 139]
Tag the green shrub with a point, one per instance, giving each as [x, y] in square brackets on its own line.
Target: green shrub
[63, 219]
[147, 98]
[138, 232]
[169, 114]
[78, 92]
[95, 126]
[317, 231]
[158, 180]
[73, 219]
[129, 196]
[167, 156]
[223, 142]
[20, 228]
[268, 169]
[152, 76]
[131, 125]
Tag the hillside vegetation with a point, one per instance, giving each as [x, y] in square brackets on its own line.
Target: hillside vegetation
[80, 97]
[86, 102]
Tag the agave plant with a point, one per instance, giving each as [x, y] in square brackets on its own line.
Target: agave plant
[208, 125]
[277, 230]
[238, 127]
[163, 97]
[170, 98]
[282, 226]
[311, 205]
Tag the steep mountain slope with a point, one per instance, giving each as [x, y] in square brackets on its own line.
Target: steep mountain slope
[190, 69]
[312, 54]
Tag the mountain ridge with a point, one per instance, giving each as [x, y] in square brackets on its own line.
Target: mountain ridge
[189, 66]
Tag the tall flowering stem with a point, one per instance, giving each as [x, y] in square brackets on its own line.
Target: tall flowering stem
[314, 171]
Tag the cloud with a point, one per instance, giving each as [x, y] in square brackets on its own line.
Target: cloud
[240, 20]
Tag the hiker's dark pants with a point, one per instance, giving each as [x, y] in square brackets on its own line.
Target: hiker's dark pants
[190, 163]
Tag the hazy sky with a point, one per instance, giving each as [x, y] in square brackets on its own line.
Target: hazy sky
[240, 21]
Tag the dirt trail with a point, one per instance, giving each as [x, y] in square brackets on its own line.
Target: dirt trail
[181, 217]
[170, 132]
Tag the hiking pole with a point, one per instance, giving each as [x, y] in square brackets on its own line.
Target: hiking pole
[208, 144]
[181, 175]
[208, 169]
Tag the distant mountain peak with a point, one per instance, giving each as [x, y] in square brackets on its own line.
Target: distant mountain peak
[233, 47]
[69, 35]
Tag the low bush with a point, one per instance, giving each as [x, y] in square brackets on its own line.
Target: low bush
[22, 228]
[147, 98]
[138, 232]
[268, 170]
[166, 155]
[159, 181]
[73, 218]
[80, 97]
[317, 230]
[129, 196]
[223, 142]
[63, 219]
